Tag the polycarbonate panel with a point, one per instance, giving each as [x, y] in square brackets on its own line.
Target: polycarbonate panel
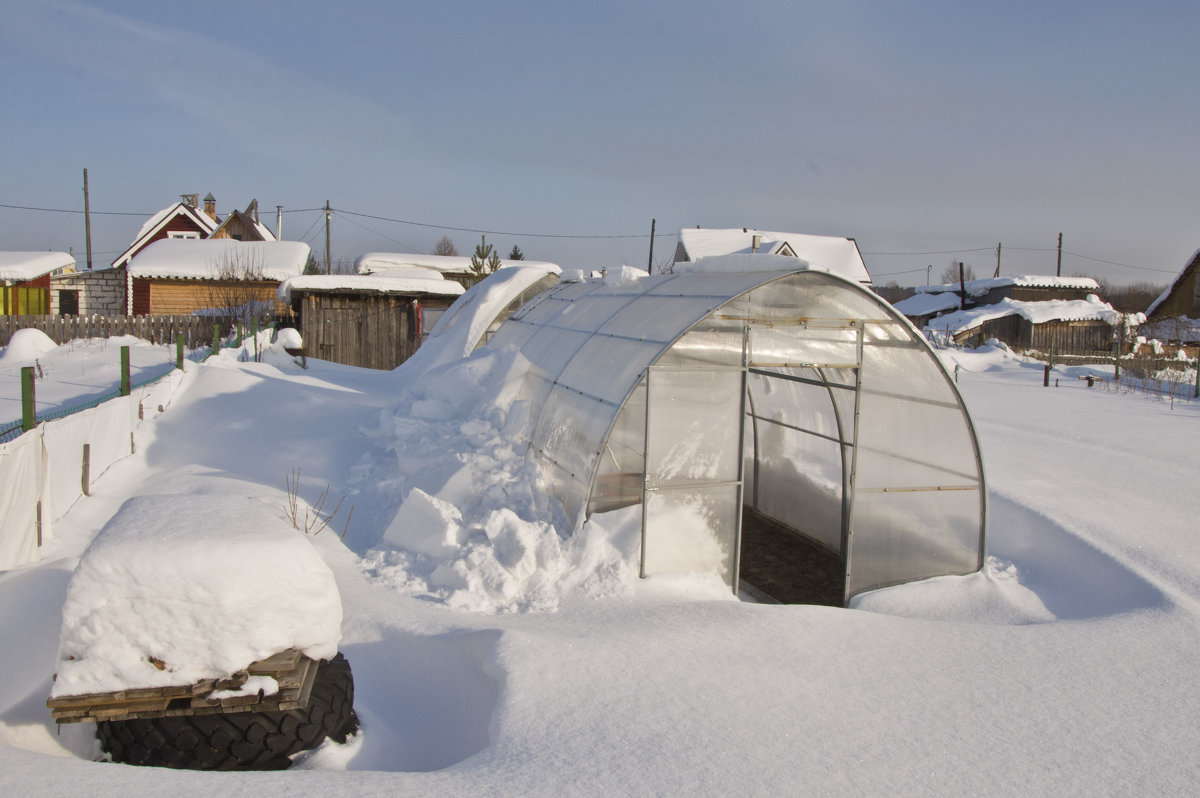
[806, 405]
[570, 431]
[694, 426]
[901, 537]
[797, 346]
[620, 472]
[706, 347]
[591, 315]
[551, 354]
[606, 367]
[692, 530]
[657, 318]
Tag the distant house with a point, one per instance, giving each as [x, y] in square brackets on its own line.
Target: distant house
[1024, 311]
[452, 267]
[1175, 315]
[831, 253]
[25, 281]
[175, 277]
[244, 226]
[373, 321]
[183, 220]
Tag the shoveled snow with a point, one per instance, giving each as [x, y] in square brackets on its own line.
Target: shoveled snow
[532, 666]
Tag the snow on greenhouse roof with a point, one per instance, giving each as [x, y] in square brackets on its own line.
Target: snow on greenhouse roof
[206, 258]
[380, 261]
[1034, 312]
[830, 253]
[17, 267]
[981, 287]
[416, 282]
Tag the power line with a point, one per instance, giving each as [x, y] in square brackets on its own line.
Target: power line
[935, 252]
[488, 232]
[64, 210]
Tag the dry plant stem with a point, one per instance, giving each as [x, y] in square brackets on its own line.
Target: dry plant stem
[314, 523]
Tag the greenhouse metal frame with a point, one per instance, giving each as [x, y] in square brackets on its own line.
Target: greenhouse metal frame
[800, 395]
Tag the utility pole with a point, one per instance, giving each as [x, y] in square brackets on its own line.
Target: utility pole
[928, 269]
[997, 274]
[328, 269]
[650, 261]
[87, 219]
[1059, 272]
[962, 288]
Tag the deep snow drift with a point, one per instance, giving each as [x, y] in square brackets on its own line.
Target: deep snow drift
[494, 656]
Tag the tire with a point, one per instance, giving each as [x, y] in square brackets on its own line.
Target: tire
[239, 740]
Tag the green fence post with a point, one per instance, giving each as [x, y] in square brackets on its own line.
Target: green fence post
[124, 371]
[216, 347]
[254, 336]
[179, 351]
[28, 419]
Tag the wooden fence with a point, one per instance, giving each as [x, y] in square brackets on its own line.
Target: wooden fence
[197, 331]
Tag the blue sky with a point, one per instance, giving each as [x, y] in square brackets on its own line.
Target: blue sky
[931, 129]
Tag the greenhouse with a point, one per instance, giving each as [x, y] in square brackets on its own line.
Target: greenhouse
[796, 405]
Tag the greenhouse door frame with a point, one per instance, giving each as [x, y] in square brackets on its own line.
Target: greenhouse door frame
[653, 487]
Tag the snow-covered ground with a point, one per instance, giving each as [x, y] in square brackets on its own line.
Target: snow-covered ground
[492, 657]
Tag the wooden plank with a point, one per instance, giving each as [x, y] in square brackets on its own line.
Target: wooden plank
[293, 672]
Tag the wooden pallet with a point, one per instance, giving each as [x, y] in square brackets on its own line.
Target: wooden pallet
[292, 670]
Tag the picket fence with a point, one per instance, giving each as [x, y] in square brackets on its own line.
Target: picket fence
[197, 331]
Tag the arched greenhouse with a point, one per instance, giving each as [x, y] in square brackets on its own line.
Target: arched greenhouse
[795, 404]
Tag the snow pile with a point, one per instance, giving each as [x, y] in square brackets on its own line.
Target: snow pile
[25, 346]
[475, 531]
[176, 589]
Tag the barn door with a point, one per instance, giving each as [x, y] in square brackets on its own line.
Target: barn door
[691, 520]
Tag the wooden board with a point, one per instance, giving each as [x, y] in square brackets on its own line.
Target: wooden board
[292, 670]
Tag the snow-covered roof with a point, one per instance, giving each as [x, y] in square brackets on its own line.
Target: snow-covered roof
[1034, 312]
[379, 261]
[981, 287]
[16, 267]
[830, 253]
[206, 258]
[926, 304]
[425, 281]
[156, 222]
[1191, 266]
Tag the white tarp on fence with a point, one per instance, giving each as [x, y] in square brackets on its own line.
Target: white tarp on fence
[46, 464]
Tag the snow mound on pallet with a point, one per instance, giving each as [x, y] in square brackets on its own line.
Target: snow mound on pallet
[176, 589]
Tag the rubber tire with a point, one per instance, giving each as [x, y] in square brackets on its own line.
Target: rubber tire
[239, 740]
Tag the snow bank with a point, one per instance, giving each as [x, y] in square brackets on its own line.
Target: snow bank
[475, 530]
[175, 589]
[25, 346]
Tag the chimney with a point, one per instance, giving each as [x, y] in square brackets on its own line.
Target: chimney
[755, 243]
[210, 206]
[279, 222]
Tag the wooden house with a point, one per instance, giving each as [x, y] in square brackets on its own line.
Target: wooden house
[25, 281]
[244, 226]
[183, 220]
[177, 277]
[373, 321]
[1182, 297]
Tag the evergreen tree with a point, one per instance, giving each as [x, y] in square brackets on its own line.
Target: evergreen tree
[516, 253]
[484, 261]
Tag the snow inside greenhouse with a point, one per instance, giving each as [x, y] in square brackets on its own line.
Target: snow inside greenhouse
[748, 410]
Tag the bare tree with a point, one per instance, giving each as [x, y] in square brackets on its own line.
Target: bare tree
[445, 246]
[950, 273]
[238, 291]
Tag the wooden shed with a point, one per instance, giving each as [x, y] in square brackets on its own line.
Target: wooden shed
[371, 321]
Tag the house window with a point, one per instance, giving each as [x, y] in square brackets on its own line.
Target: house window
[183, 234]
